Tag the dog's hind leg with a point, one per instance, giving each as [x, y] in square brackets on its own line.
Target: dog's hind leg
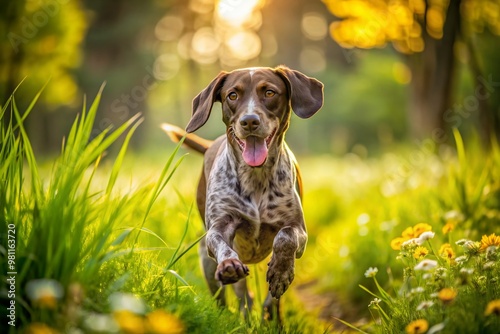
[244, 296]
[271, 309]
[209, 266]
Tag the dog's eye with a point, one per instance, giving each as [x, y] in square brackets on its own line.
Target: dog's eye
[270, 93]
[232, 96]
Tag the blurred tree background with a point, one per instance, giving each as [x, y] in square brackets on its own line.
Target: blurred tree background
[393, 70]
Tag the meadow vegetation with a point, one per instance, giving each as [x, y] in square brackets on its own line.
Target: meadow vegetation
[403, 242]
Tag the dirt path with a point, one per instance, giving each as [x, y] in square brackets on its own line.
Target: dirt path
[329, 306]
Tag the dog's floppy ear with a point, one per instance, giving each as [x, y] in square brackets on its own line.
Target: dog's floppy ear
[203, 102]
[306, 94]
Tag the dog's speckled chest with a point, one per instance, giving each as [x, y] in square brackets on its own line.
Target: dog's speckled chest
[259, 201]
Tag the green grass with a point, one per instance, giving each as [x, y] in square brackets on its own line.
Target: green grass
[107, 244]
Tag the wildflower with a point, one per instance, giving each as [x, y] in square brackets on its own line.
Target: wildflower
[424, 305]
[100, 323]
[417, 290]
[426, 236]
[408, 233]
[161, 322]
[488, 265]
[491, 240]
[44, 293]
[461, 259]
[447, 252]
[436, 328]
[39, 328]
[420, 252]
[410, 243]
[466, 271]
[421, 228]
[371, 272]
[470, 247]
[441, 271]
[396, 243]
[375, 302]
[419, 326]
[129, 322]
[447, 295]
[493, 307]
[462, 242]
[127, 302]
[491, 252]
[448, 227]
[426, 264]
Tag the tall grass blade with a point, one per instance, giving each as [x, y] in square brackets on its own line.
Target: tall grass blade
[180, 278]
[350, 325]
[121, 155]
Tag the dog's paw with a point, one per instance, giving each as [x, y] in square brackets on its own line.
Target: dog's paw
[231, 271]
[280, 275]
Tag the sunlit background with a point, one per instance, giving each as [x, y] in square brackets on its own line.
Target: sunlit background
[394, 71]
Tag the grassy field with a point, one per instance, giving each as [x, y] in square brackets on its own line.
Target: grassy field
[92, 244]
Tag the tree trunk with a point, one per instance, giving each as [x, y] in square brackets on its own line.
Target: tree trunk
[432, 77]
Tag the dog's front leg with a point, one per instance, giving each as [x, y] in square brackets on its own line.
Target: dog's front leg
[289, 243]
[219, 240]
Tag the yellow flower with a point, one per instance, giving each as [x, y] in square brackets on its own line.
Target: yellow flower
[447, 295]
[491, 240]
[39, 328]
[408, 233]
[129, 322]
[493, 307]
[420, 252]
[448, 227]
[418, 326]
[447, 252]
[161, 322]
[396, 243]
[421, 228]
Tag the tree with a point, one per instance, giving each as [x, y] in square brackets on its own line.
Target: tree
[425, 33]
[40, 44]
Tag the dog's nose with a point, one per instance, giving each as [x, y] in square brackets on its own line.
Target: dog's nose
[250, 122]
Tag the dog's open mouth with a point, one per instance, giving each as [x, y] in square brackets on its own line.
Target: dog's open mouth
[254, 149]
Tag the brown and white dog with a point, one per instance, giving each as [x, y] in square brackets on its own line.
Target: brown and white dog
[249, 193]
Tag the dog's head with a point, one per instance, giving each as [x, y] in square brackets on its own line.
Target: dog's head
[256, 105]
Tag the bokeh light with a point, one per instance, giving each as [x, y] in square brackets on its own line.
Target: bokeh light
[312, 60]
[314, 26]
[238, 13]
[243, 45]
[224, 31]
[204, 46]
[166, 66]
[169, 28]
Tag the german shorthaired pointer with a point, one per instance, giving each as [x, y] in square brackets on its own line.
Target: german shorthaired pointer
[249, 193]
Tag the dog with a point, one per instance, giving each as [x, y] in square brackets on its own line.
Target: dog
[250, 190]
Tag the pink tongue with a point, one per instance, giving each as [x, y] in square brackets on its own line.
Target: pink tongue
[255, 152]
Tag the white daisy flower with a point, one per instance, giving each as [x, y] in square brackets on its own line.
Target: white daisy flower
[426, 236]
[127, 302]
[426, 264]
[371, 272]
[424, 305]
